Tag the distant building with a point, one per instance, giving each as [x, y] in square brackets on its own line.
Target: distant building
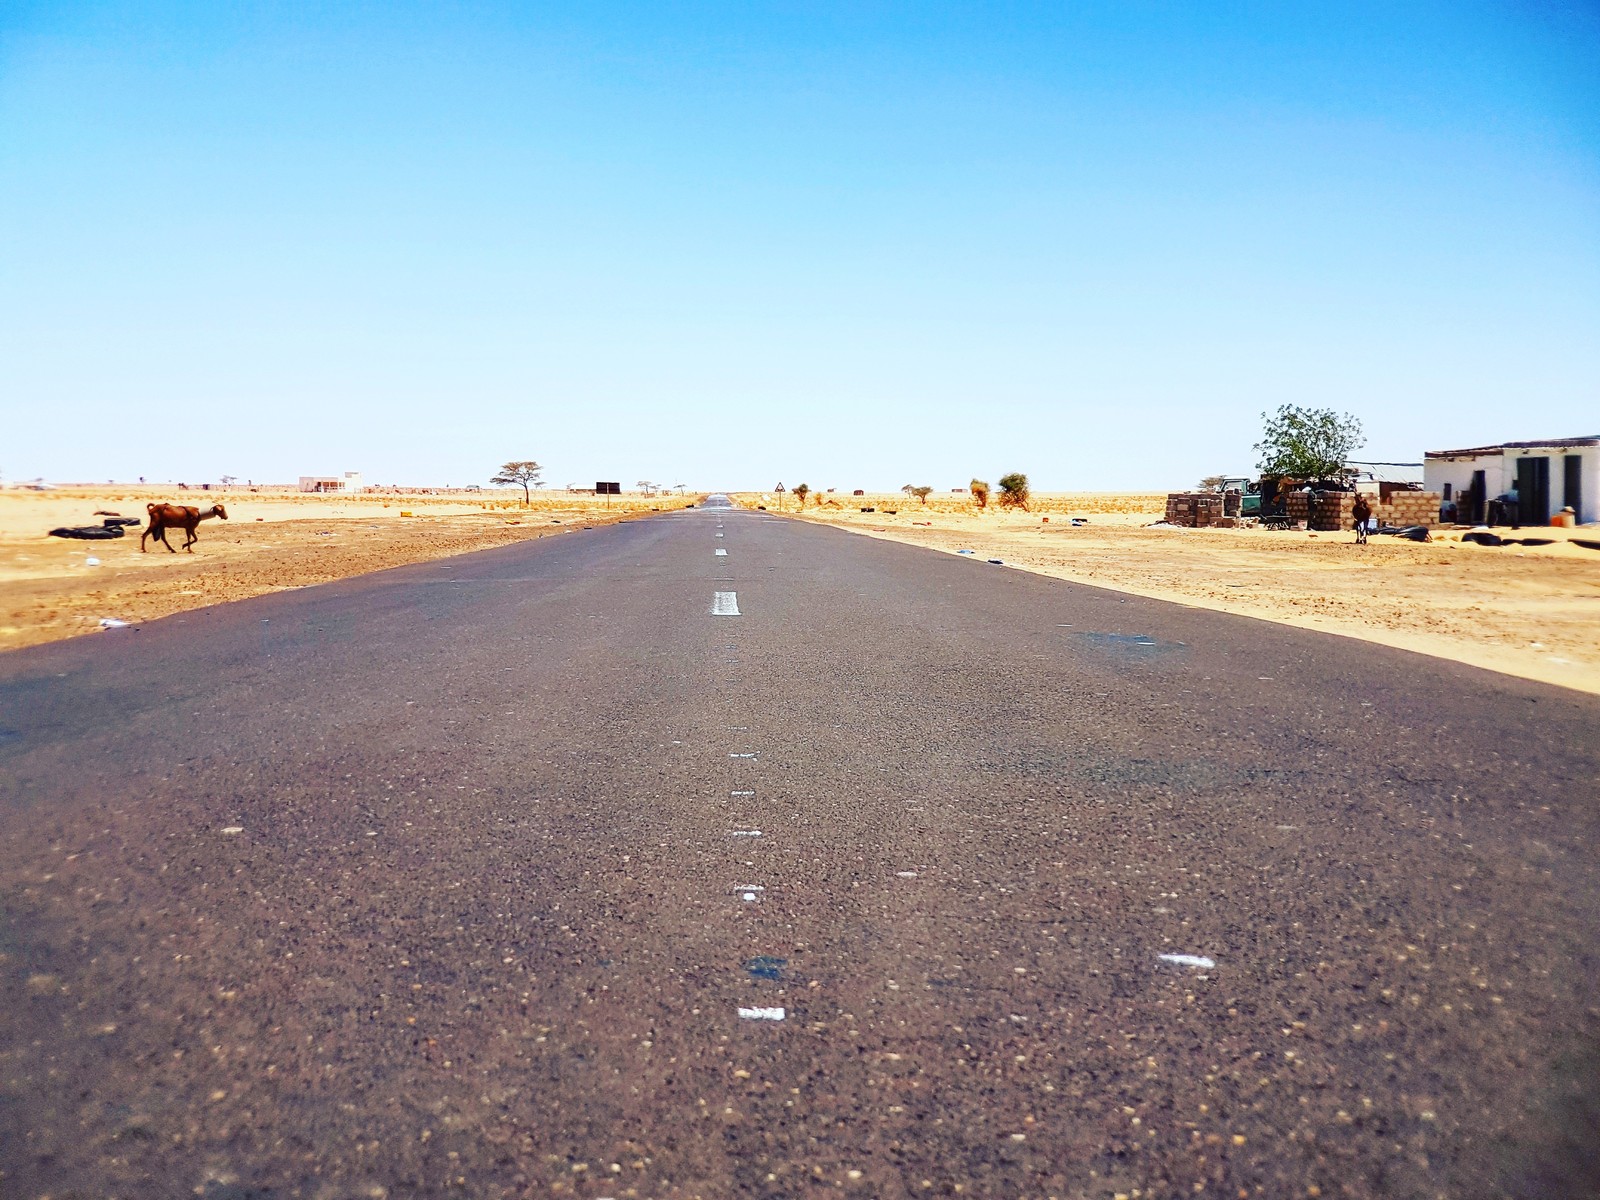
[1549, 476]
[350, 481]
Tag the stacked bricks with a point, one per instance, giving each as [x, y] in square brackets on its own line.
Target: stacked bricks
[1324, 511]
[1329, 512]
[1195, 510]
[1408, 508]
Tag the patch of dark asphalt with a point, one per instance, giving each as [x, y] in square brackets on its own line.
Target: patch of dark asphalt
[450, 898]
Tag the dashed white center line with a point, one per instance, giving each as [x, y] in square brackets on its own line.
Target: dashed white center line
[748, 754]
[720, 552]
[725, 604]
[762, 1014]
[741, 793]
[746, 833]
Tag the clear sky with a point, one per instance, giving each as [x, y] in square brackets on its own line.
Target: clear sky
[860, 244]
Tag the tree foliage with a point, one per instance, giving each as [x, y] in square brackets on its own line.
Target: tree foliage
[1212, 483]
[1014, 490]
[801, 491]
[1307, 443]
[520, 473]
[980, 492]
[922, 492]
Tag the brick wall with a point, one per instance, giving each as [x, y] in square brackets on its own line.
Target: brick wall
[1323, 511]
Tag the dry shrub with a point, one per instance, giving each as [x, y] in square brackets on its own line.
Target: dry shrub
[1078, 504]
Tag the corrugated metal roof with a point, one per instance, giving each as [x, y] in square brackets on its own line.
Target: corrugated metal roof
[1475, 451]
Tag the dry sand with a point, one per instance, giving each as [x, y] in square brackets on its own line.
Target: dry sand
[1527, 611]
[271, 542]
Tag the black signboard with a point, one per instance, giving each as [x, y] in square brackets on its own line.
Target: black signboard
[604, 488]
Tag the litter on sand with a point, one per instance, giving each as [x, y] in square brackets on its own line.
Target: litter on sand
[999, 562]
[966, 551]
[761, 1014]
[1188, 960]
[112, 623]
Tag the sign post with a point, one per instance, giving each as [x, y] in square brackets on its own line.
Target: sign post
[779, 489]
[608, 489]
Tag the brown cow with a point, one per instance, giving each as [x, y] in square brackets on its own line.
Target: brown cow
[177, 516]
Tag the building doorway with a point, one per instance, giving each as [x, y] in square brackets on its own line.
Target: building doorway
[1473, 501]
[1572, 484]
[1533, 489]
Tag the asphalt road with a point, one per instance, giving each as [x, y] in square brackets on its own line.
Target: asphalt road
[523, 874]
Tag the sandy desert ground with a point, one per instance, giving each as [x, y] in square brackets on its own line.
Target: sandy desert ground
[1527, 611]
[52, 588]
[1531, 611]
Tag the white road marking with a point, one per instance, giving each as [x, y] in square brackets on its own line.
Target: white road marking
[761, 1014]
[1188, 960]
[720, 552]
[233, 829]
[721, 534]
[725, 604]
[751, 754]
[746, 833]
[906, 874]
[752, 794]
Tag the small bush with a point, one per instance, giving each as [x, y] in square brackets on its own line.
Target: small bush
[1014, 490]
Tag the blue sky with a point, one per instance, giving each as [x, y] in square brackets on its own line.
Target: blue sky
[858, 244]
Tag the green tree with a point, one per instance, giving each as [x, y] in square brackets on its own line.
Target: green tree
[1307, 443]
[922, 493]
[1014, 491]
[980, 492]
[801, 491]
[519, 473]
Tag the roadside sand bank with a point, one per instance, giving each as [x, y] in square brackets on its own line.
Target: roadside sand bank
[271, 542]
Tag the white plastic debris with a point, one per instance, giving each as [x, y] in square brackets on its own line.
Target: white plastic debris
[1188, 960]
[762, 1014]
[91, 561]
[112, 623]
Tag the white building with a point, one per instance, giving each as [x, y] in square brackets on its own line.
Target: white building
[350, 481]
[1549, 476]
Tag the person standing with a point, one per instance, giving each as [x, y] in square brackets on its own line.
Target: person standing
[1361, 511]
